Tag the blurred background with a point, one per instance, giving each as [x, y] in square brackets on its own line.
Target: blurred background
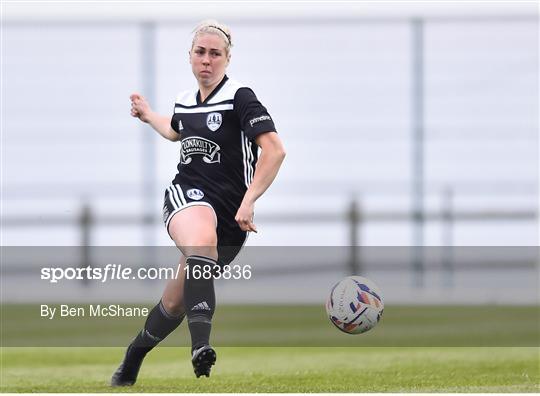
[406, 124]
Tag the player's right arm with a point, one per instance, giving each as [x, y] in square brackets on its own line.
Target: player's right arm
[162, 124]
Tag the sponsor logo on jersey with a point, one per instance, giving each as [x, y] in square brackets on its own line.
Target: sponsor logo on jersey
[195, 194]
[196, 145]
[255, 120]
[213, 121]
[180, 126]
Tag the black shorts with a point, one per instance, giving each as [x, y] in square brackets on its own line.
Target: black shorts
[230, 238]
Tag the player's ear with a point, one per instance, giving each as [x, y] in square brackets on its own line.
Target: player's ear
[189, 56]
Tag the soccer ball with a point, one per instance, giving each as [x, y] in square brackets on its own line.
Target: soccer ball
[355, 305]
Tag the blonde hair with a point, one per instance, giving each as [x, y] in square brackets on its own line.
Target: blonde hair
[212, 26]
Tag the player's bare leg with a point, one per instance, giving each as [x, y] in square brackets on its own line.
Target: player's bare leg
[194, 232]
[173, 295]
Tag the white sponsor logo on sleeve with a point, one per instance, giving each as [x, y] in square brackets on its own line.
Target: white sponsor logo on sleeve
[259, 119]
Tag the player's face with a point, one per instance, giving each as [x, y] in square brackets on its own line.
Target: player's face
[208, 59]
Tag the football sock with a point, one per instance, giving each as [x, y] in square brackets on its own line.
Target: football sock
[159, 324]
[199, 299]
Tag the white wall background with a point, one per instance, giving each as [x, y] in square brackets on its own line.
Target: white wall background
[335, 77]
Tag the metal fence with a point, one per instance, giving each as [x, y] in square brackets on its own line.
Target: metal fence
[353, 218]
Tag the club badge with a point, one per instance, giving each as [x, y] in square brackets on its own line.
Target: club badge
[213, 121]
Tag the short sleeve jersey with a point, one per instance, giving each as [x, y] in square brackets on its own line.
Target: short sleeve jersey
[218, 154]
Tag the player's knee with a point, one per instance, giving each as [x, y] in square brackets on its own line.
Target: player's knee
[208, 239]
[172, 307]
[193, 236]
[204, 244]
[204, 251]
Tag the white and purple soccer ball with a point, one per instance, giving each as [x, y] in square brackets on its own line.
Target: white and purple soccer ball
[355, 305]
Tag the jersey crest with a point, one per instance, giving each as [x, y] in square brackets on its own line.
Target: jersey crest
[213, 121]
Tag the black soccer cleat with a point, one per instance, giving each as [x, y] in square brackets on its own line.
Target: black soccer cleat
[126, 374]
[203, 359]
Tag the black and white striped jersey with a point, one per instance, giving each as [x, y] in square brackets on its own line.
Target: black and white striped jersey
[218, 154]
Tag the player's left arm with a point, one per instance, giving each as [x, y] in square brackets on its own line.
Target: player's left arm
[268, 164]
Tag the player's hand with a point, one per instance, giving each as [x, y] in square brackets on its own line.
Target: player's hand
[244, 217]
[140, 107]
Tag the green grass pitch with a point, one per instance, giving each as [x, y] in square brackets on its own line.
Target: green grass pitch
[280, 369]
[285, 349]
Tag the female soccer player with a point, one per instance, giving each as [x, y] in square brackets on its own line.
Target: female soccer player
[209, 206]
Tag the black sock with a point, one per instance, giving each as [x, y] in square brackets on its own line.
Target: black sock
[159, 324]
[199, 299]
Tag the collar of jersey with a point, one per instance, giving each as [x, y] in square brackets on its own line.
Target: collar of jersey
[214, 91]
